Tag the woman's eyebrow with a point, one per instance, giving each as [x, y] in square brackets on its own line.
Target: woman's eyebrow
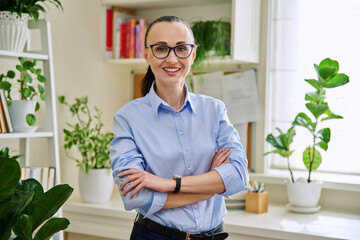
[165, 43]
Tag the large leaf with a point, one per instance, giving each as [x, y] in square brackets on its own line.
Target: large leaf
[274, 141]
[309, 156]
[317, 109]
[23, 226]
[31, 185]
[281, 152]
[50, 202]
[9, 177]
[303, 120]
[287, 138]
[30, 119]
[337, 81]
[323, 145]
[315, 83]
[51, 227]
[331, 116]
[328, 68]
[324, 134]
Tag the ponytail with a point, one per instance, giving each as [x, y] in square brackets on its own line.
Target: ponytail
[147, 82]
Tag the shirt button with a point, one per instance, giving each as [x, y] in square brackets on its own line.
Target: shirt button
[177, 114]
[186, 149]
[189, 169]
[181, 133]
[195, 205]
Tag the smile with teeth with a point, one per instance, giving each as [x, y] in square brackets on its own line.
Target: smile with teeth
[172, 69]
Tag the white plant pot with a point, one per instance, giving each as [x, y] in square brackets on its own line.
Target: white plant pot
[303, 194]
[18, 111]
[96, 186]
[14, 31]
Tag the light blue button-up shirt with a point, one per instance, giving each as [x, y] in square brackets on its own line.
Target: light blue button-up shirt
[151, 136]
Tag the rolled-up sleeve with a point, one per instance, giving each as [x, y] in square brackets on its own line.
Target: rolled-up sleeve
[124, 155]
[234, 174]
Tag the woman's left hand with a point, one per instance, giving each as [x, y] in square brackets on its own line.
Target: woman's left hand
[138, 180]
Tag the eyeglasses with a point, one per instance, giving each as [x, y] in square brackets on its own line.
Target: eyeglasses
[162, 51]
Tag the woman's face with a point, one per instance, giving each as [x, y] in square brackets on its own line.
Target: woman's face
[170, 71]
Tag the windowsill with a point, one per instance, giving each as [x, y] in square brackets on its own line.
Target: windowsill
[112, 221]
[331, 181]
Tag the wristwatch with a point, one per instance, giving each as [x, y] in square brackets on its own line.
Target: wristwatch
[177, 178]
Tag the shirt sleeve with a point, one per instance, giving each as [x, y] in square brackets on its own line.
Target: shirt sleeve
[124, 155]
[234, 174]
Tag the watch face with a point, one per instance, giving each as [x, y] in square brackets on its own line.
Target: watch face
[176, 176]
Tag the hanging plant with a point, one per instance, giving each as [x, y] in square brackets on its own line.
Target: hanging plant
[212, 38]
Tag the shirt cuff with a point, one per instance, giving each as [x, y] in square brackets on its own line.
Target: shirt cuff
[158, 202]
[230, 179]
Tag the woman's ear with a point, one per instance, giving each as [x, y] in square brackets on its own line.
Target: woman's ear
[146, 55]
[193, 54]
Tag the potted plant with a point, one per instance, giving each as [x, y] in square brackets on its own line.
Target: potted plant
[22, 111]
[306, 194]
[212, 38]
[95, 176]
[25, 210]
[14, 16]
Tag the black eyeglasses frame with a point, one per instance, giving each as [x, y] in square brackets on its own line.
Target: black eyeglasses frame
[171, 48]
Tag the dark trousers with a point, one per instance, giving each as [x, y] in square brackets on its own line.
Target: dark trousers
[141, 233]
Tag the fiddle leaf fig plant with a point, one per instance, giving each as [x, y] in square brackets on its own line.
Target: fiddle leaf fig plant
[25, 209]
[27, 86]
[328, 77]
[86, 135]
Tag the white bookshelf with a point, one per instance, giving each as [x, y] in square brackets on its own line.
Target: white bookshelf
[49, 130]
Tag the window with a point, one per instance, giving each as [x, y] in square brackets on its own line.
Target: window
[306, 32]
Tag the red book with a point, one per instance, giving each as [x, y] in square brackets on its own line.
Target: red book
[122, 39]
[127, 39]
[109, 30]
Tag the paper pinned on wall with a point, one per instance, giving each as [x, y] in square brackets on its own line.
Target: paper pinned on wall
[237, 90]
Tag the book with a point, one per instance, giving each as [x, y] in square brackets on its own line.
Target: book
[120, 16]
[109, 33]
[44, 175]
[2, 120]
[140, 38]
[6, 111]
[132, 39]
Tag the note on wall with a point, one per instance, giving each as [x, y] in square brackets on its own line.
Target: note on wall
[238, 91]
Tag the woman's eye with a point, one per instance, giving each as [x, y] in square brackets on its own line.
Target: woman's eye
[181, 48]
[161, 49]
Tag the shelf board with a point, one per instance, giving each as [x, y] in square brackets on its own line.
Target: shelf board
[38, 134]
[31, 55]
[150, 4]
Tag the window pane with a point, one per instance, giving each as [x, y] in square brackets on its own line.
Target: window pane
[306, 32]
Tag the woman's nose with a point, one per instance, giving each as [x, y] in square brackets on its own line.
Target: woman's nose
[172, 57]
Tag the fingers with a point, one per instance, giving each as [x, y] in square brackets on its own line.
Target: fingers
[220, 157]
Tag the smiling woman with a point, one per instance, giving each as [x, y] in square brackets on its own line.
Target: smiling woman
[175, 154]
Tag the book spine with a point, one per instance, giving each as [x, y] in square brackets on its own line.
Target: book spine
[141, 36]
[109, 32]
[132, 38]
[5, 106]
[122, 39]
[2, 119]
[127, 39]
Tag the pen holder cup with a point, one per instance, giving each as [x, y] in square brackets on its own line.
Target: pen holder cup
[256, 202]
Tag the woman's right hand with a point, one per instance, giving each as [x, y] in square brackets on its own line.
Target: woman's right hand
[220, 158]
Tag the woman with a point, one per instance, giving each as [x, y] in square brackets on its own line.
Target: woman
[175, 155]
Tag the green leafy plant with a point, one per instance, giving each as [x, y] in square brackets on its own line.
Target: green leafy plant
[27, 88]
[211, 37]
[282, 143]
[31, 7]
[328, 77]
[24, 206]
[86, 135]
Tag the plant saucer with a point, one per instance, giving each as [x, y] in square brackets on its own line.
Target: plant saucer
[26, 129]
[298, 209]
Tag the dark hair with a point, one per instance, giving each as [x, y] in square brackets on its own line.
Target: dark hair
[149, 77]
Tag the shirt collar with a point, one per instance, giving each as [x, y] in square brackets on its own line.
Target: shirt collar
[156, 101]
